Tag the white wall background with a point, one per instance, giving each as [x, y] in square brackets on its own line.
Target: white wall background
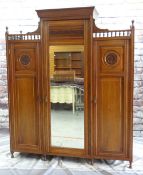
[113, 14]
[21, 13]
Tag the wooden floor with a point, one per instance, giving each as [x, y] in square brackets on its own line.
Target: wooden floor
[29, 164]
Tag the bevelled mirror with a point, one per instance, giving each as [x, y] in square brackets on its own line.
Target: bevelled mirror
[67, 96]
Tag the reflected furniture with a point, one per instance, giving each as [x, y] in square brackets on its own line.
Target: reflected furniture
[68, 40]
[63, 94]
[63, 76]
[66, 58]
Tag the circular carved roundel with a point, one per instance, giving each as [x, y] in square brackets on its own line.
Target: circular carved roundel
[25, 59]
[111, 58]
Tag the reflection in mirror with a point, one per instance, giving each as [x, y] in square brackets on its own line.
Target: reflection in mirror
[67, 96]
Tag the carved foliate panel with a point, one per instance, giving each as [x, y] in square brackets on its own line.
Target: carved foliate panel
[112, 59]
[25, 59]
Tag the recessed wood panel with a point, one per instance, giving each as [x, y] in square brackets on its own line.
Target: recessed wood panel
[110, 115]
[111, 58]
[27, 118]
[25, 59]
[61, 31]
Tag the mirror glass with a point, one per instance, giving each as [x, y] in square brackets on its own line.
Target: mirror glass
[67, 96]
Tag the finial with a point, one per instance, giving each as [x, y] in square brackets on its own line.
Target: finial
[6, 29]
[132, 26]
[133, 22]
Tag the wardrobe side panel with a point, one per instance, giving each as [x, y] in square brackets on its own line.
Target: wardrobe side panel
[25, 116]
[111, 124]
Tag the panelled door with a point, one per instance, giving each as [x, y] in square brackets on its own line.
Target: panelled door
[111, 92]
[24, 96]
[67, 99]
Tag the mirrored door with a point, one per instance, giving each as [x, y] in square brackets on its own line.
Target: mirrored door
[67, 96]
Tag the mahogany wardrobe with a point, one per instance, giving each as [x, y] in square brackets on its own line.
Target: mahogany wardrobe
[70, 87]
